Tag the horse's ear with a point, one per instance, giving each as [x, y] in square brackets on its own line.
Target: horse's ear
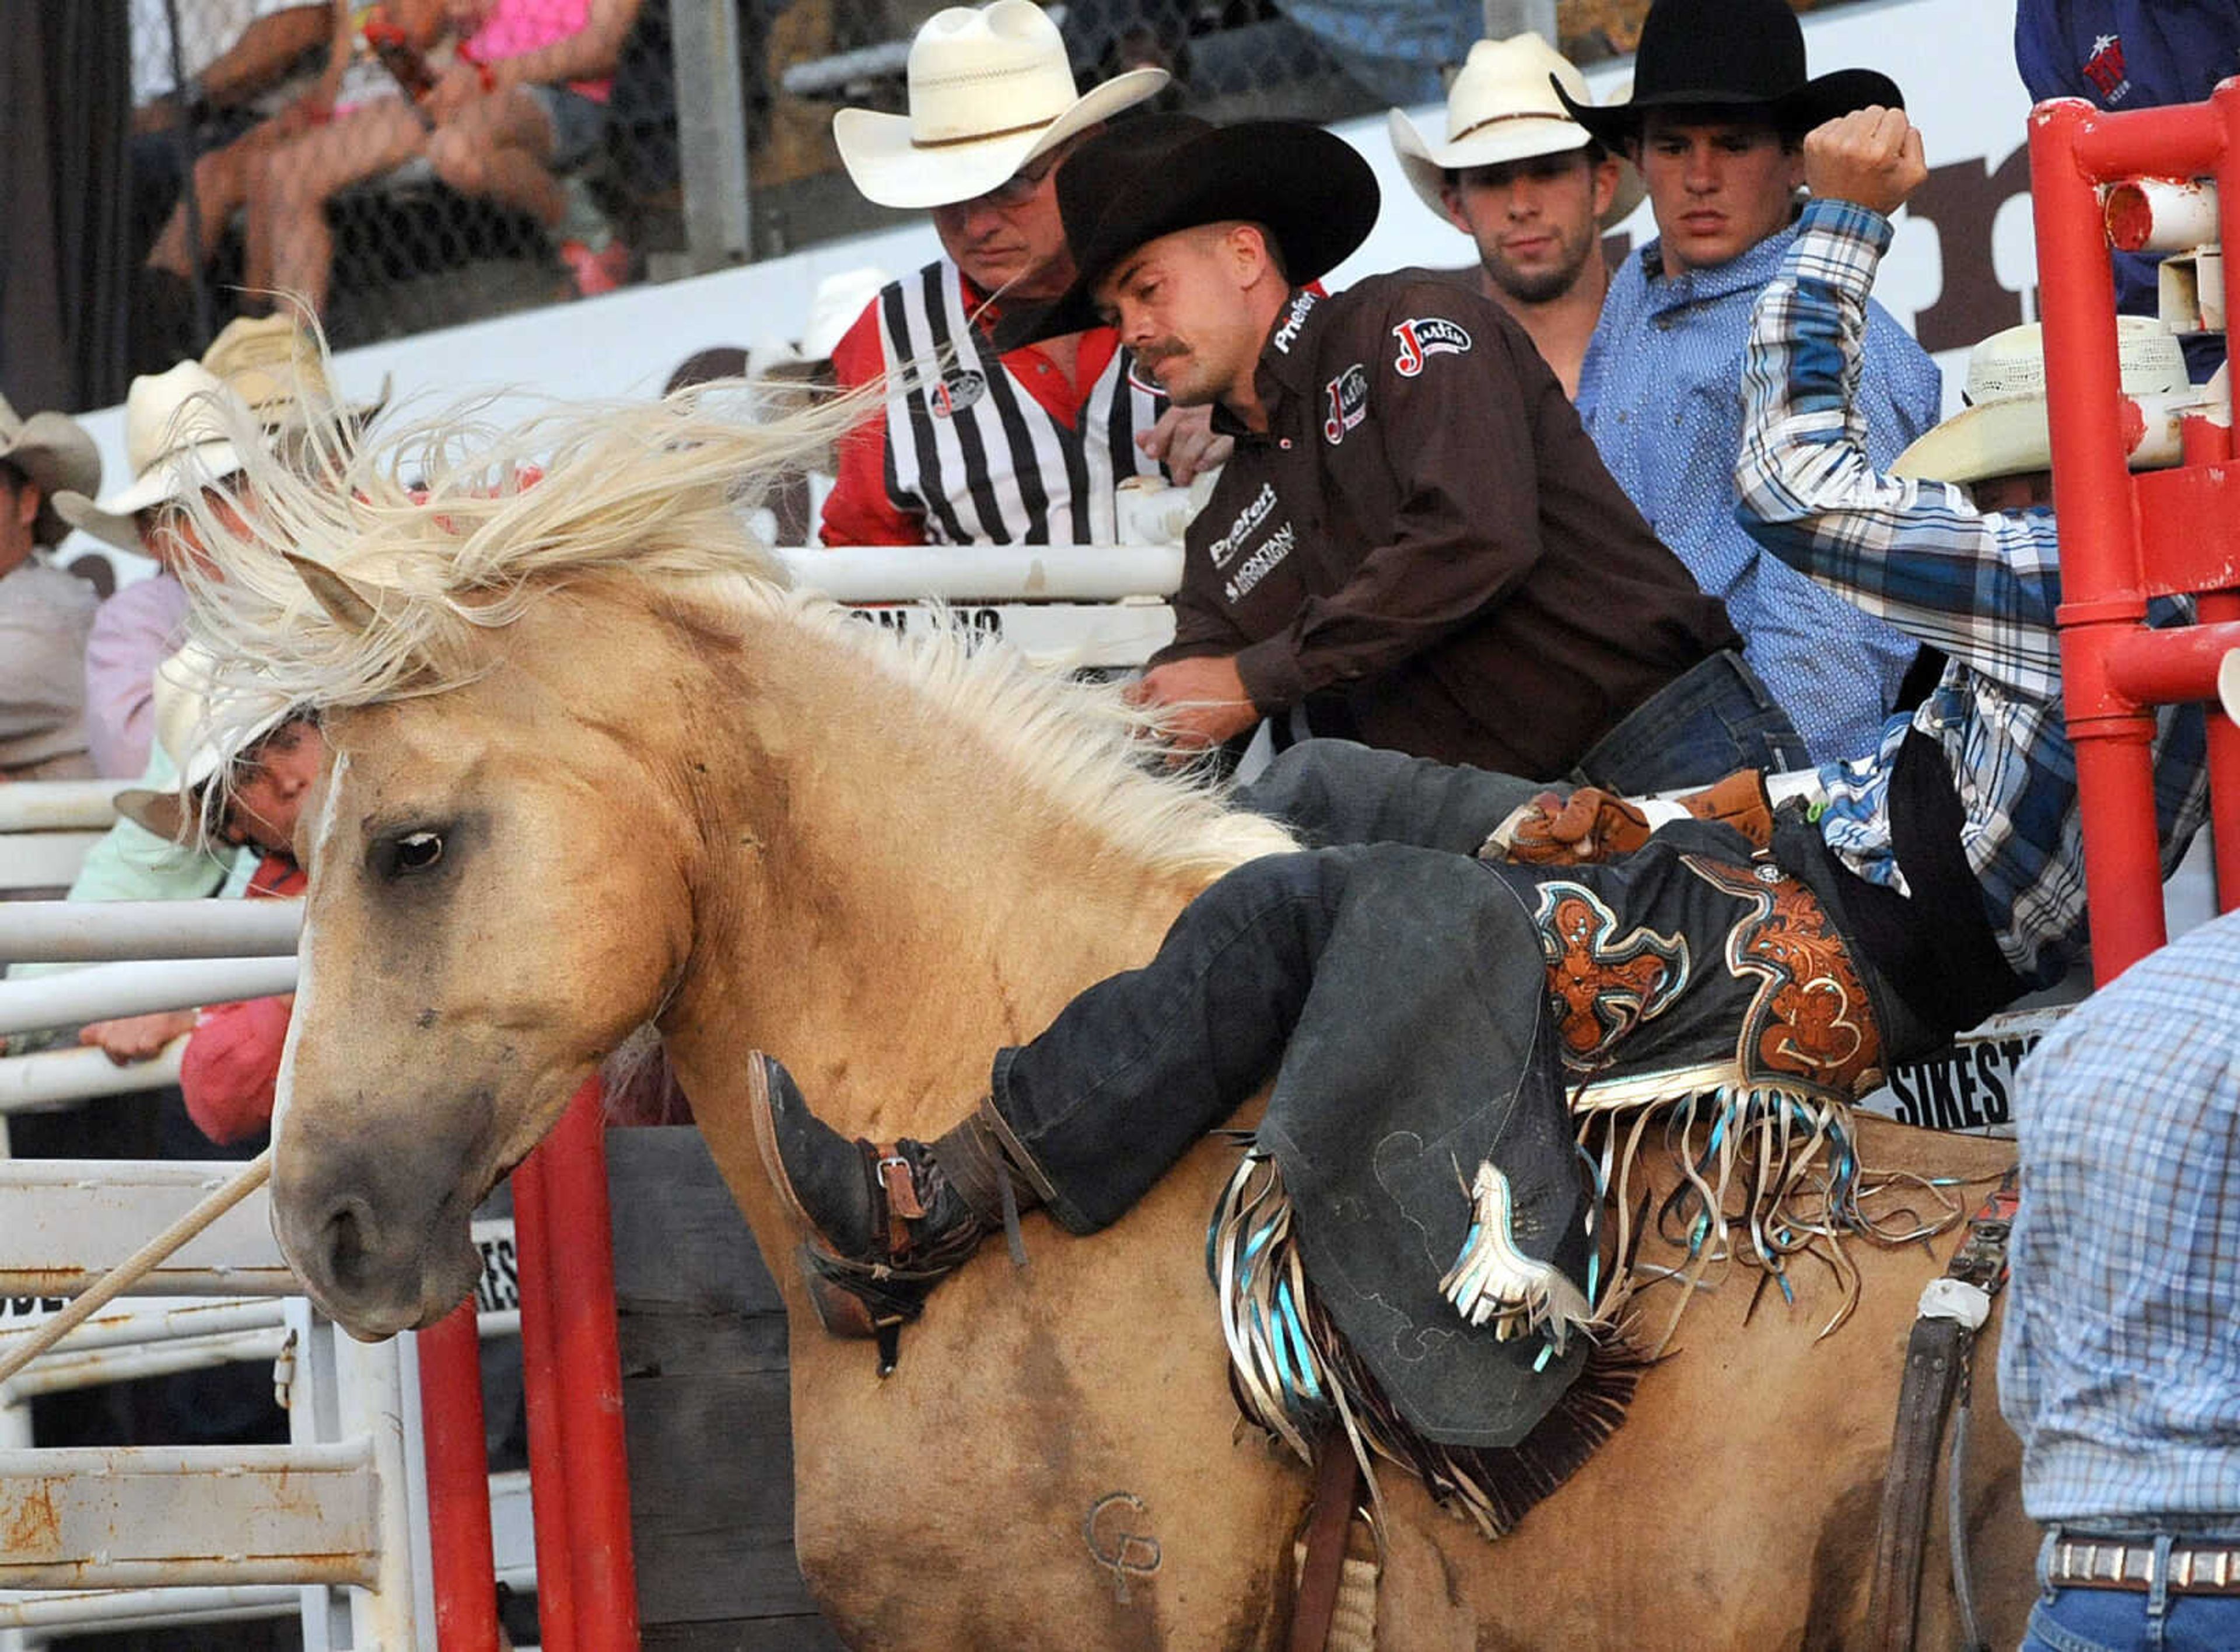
[347, 605]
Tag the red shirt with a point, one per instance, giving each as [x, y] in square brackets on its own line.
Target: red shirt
[232, 1060]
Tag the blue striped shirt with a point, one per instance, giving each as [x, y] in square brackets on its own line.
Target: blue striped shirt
[1981, 585]
[2119, 1364]
[1661, 392]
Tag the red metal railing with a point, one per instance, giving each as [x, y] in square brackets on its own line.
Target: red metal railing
[2124, 538]
[579, 1472]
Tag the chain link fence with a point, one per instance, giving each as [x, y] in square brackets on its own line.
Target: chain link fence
[279, 146]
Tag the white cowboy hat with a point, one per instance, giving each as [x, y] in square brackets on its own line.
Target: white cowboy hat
[2002, 431]
[175, 441]
[182, 722]
[840, 299]
[1503, 108]
[990, 90]
[2228, 685]
[54, 453]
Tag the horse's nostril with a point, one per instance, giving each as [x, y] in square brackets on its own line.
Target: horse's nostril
[347, 1242]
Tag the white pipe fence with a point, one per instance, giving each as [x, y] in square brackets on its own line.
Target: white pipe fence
[54, 1077]
[99, 931]
[987, 573]
[103, 991]
[59, 805]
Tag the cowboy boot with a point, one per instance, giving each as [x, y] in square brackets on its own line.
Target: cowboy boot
[887, 1221]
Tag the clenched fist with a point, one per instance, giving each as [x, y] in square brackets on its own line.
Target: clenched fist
[1871, 156]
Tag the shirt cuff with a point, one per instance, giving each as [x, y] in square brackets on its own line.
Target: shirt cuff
[1270, 671]
[1839, 242]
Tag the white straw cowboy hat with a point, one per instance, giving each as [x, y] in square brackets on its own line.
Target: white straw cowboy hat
[1502, 107]
[182, 718]
[2002, 431]
[990, 90]
[175, 440]
[56, 454]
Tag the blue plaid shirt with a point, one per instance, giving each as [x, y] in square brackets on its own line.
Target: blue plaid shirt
[1661, 393]
[2119, 1364]
[1982, 586]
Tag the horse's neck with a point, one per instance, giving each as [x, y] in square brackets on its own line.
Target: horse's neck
[889, 900]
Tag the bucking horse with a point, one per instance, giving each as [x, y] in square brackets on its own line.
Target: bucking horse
[594, 765]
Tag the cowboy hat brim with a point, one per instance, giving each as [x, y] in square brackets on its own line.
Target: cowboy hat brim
[163, 813]
[111, 519]
[1426, 164]
[1820, 99]
[61, 458]
[1311, 188]
[888, 170]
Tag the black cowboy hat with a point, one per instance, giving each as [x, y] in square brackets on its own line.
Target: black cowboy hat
[1735, 53]
[1151, 175]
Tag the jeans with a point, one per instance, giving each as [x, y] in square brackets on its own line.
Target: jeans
[1712, 719]
[2121, 1619]
[1336, 791]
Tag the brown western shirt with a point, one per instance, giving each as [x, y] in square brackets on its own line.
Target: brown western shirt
[1426, 537]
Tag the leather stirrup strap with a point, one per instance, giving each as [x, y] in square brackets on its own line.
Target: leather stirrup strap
[1939, 1356]
[1338, 1484]
[1935, 1354]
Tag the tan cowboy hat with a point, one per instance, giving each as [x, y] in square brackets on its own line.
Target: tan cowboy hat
[182, 718]
[2002, 431]
[176, 442]
[55, 454]
[273, 364]
[1502, 107]
[990, 90]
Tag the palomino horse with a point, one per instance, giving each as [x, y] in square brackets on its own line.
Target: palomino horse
[592, 767]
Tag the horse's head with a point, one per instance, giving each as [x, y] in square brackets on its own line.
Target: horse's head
[498, 897]
[502, 849]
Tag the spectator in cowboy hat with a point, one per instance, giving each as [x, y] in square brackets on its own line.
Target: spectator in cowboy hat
[1720, 103]
[44, 613]
[1533, 188]
[271, 364]
[975, 444]
[1414, 542]
[246, 800]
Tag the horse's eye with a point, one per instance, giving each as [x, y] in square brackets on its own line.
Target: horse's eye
[417, 852]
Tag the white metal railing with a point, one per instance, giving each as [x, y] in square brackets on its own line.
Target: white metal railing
[96, 931]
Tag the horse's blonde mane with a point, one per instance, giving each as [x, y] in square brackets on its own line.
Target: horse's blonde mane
[450, 528]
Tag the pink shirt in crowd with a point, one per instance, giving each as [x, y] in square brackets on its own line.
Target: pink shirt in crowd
[513, 27]
[133, 632]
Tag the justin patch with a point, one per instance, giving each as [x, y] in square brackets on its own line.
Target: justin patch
[1424, 336]
[957, 390]
[1347, 398]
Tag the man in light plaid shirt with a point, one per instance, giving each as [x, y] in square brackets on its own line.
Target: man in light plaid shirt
[1972, 569]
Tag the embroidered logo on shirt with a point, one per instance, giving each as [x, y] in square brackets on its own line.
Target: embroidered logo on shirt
[1347, 396]
[959, 388]
[1249, 520]
[1288, 334]
[2105, 69]
[1422, 336]
[1259, 564]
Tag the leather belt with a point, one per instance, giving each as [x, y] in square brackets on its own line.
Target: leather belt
[2129, 1563]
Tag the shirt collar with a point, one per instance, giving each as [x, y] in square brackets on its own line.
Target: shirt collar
[1286, 360]
[1745, 272]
